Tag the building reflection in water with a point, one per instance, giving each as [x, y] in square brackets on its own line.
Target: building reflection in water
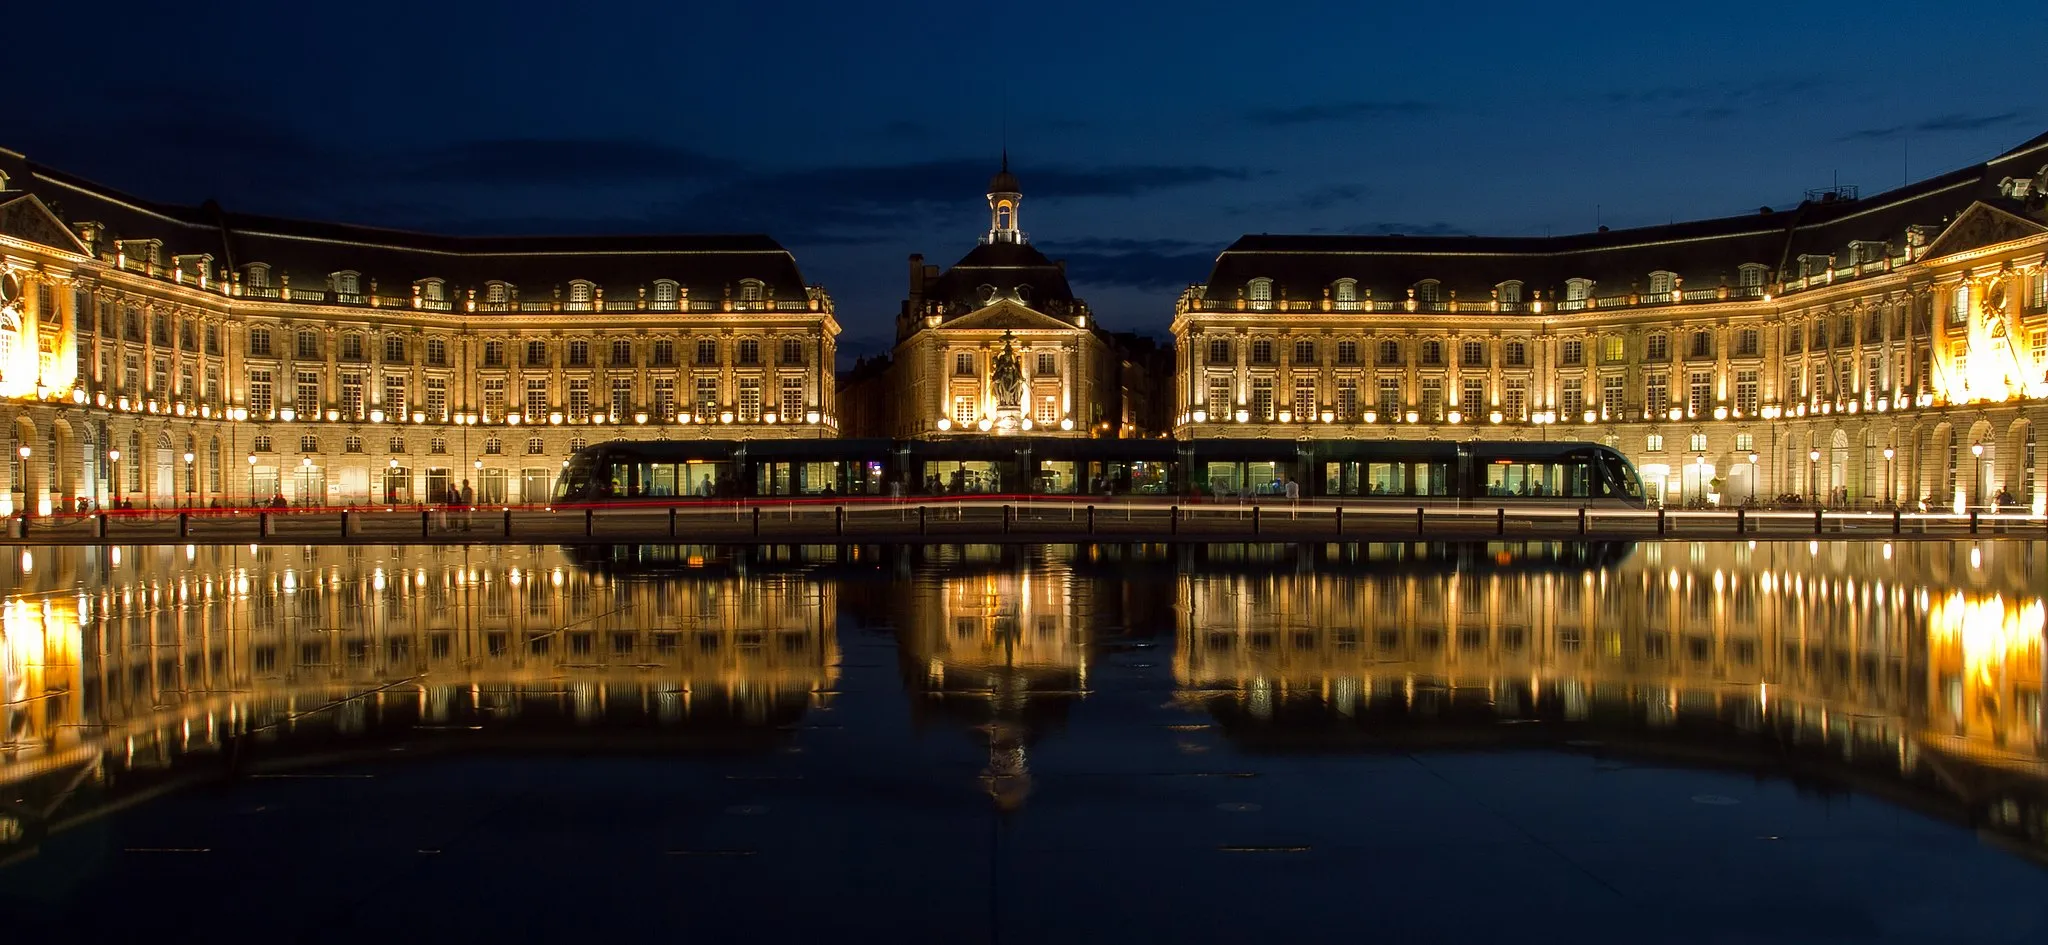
[1913, 664]
[125, 667]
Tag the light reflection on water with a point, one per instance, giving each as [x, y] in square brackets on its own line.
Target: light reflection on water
[1918, 665]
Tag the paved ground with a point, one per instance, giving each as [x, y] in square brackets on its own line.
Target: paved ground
[1141, 818]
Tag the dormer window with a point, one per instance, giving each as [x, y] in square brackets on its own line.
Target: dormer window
[1510, 292]
[257, 276]
[986, 293]
[497, 293]
[666, 293]
[1345, 293]
[750, 290]
[1866, 252]
[433, 293]
[1260, 293]
[1578, 289]
[580, 295]
[1751, 275]
[1429, 292]
[348, 285]
[1811, 265]
[1661, 284]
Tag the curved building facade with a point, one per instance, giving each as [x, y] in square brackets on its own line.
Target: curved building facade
[1854, 350]
[167, 355]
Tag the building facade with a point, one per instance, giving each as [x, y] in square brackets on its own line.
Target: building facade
[1887, 348]
[174, 356]
[998, 344]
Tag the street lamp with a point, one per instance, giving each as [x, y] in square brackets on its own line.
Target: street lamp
[306, 480]
[191, 487]
[114, 475]
[1699, 476]
[22, 483]
[1978, 478]
[391, 482]
[1752, 476]
[252, 480]
[1890, 491]
[1812, 474]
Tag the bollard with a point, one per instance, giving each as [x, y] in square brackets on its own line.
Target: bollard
[1660, 520]
[1973, 521]
[103, 524]
[1173, 520]
[184, 523]
[920, 519]
[1582, 520]
[839, 520]
[1418, 520]
[1255, 519]
[1091, 519]
[508, 523]
[1741, 521]
[1340, 520]
[589, 522]
[1895, 521]
[1500, 521]
[671, 521]
[1816, 521]
[424, 522]
[757, 521]
[1006, 519]
[263, 524]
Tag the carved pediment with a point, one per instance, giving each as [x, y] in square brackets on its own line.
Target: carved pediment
[26, 218]
[1008, 316]
[1979, 226]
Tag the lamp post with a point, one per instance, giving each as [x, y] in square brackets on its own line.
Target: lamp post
[1977, 477]
[1752, 477]
[306, 480]
[22, 482]
[391, 482]
[1699, 476]
[191, 487]
[114, 475]
[1890, 492]
[252, 480]
[1812, 476]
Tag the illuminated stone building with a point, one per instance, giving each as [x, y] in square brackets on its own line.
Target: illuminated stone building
[998, 343]
[1864, 348]
[223, 355]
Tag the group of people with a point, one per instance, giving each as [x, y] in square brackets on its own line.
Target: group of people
[458, 498]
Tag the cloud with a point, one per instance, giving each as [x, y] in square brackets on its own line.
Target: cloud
[1392, 228]
[1333, 112]
[1939, 124]
[1717, 101]
[1149, 264]
[1321, 197]
[563, 161]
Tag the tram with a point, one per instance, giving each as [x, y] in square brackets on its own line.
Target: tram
[1403, 472]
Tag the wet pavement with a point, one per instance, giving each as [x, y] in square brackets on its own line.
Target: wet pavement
[1682, 742]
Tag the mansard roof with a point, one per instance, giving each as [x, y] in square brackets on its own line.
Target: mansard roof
[1703, 253]
[1004, 267]
[709, 265]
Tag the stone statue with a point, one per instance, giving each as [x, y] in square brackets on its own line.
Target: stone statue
[1009, 374]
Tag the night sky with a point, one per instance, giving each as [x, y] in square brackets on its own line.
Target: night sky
[1147, 134]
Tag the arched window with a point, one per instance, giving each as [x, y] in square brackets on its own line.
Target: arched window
[1429, 291]
[1517, 354]
[497, 293]
[433, 292]
[666, 293]
[1390, 352]
[750, 290]
[1578, 289]
[1751, 276]
[346, 283]
[1702, 344]
[1510, 292]
[1662, 283]
[581, 293]
[1345, 292]
[1003, 216]
[1260, 292]
[257, 276]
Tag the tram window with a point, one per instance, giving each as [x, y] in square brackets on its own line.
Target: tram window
[1569, 479]
[1222, 478]
[1263, 478]
[818, 477]
[1340, 478]
[1432, 479]
[1056, 477]
[1621, 473]
[1387, 478]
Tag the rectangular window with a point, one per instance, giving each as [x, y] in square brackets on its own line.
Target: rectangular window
[1611, 347]
[963, 410]
[1573, 402]
[395, 396]
[1262, 351]
[536, 400]
[963, 364]
[259, 342]
[622, 353]
[308, 346]
[1219, 351]
[1390, 397]
[1472, 398]
[664, 398]
[1612, 396]
[664, 353]
[1048, 410]
[792, 351]
[579, 399]
[1432, 353]
[351, 395]
[792, 408]
[1515, 399]
[1220, 400]
[1432, 399]
[394, 349]
[750, 351]
[1347, 352]
[1304, 399]
[1745, 393]
[308, 394]
[707, 351]
[1699, 394]
[1653, 443]
[1347, 398]
[160, 376]
[494, 400]
[1262, 398]
[213, 383]
[1304, 352]
[1748, 342]
[1794, 382]
[1656, 396]
[494, 354]
[2039, 346]
[351, 347]
[622, 398]
[437, 399]
[1696, 442]
[260, 404]
[750, 396]
[1873, 372]
[1744, 442]
[1657, 347]
[536, 354]
[1048, 364]
[1793, 338]
[437, 352]
[1574, 352]
[579, 354]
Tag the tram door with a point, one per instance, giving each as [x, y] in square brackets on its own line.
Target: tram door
[1464, 487]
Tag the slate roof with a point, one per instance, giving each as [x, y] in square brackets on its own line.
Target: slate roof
[310, 250]
[1703, 253]
[1004, 267]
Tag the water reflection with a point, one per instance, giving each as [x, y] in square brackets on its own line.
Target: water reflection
[1914, 671]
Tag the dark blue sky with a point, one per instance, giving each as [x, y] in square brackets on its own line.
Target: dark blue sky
[1147, 134]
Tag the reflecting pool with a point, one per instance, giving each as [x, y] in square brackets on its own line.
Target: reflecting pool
[1673, 741]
